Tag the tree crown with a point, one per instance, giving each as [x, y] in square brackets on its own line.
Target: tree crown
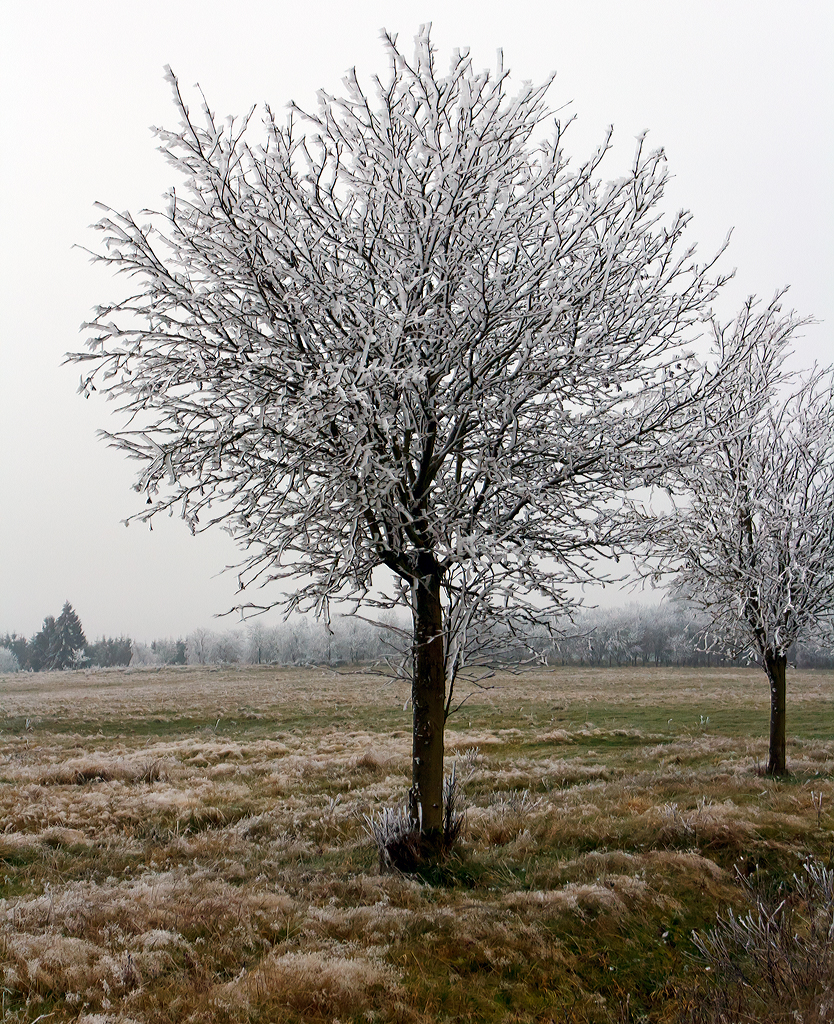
[398, 332]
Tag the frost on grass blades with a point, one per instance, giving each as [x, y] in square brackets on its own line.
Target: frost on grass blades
[397, 332]
[778, 954]
[750, 537]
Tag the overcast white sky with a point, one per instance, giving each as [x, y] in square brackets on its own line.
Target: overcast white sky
[740, 94]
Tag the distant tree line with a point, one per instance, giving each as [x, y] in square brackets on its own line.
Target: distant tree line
[296, 641]
[670, 634]
[61, 644]
[658, 635]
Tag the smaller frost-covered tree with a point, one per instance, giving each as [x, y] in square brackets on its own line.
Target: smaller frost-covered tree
[8, 661]
[198, 646]
[19, 647]
[750, 538]
[227, 648]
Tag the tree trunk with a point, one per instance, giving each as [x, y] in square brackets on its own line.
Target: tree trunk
[775, 667]
[428, 693]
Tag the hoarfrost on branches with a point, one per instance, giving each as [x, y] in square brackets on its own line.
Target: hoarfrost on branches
[750, 537]
[397, 332]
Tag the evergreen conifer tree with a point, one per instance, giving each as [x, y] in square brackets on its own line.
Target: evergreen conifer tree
[42, 645]
[69, 642]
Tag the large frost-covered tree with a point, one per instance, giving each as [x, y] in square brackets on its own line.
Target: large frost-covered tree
[750, 536]
[399, 332]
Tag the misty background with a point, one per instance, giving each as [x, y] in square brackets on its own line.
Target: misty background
[739, 95]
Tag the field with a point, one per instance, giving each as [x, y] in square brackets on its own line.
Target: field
[189, 845]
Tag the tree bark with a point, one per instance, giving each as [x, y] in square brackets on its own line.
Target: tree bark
[775, 665]
[428, 692]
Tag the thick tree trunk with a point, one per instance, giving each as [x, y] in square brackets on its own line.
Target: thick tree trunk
[428, 693]
[775, 665]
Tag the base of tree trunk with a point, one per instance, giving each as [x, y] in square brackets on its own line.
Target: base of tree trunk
[401, 844]
[415, 851]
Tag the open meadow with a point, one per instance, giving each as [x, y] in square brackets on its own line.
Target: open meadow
[189, 845]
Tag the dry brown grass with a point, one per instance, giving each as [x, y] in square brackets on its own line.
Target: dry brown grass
[186, 846]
